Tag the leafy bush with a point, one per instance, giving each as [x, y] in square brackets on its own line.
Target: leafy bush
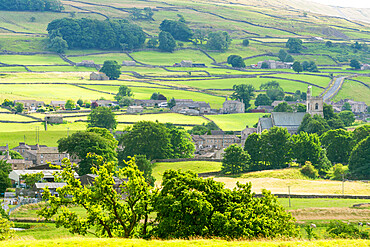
[5, 231]
[338, 171]
[339, 229]
[245, 42]
[309, 170]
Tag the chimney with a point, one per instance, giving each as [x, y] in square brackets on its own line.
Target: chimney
[37, 147]
[8, 157]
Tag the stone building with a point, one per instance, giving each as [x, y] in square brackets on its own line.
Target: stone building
[99, 76]
[292, 120]
[30, 105]
[186, 63]
[212, 146]
[16, 164]
[104, 103]
[272, 64]
[315, 105]
[86, 63]
[233, 106]
[148, 102]
[134, 109]
[356, 106]
[58, 103]
[40, 154]
[54, 119]
[128, 63]
[188, 106]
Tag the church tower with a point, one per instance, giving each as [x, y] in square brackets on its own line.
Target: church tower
[315, 105]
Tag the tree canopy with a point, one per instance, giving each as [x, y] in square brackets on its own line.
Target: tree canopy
[102, 117]
[294, 45]
[219, 41]
[94, 140]
[112, 69]
[34, 5]
[179, 30]
[92, 33]
[338, 144]
[244, 93]
[235, 160]
[359, 161]
[166, 42]
[236, 61]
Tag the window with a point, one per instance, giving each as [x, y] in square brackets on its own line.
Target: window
[316, 106]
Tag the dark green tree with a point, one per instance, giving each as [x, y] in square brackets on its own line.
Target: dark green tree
[58, 44]
[102, 117]
[282, 55]
[235, 160]
[273, 90]
[329, 43]
[189, 206]
[361, 133]
[152, 43]
[19, 108]
[347, 117]
[355, 64]
[151, 139]
[178, 30]
[289, 59]
[182, 145]
[252, 146]
[301, 107]
[262, 99]
[315, 124]
[359, 161]
[4, 181]
[244, 93]
[219, 41]
[146, 167]
[338, 144]
[94, 140]
[112, 69]
[80, 102]
[264, 65]
[166, 42]
[245, 42]
[347, 107]
[236, 61]
[70, 105]
[123, 91]
[171, 103]
[283, 107]
[294, 45]
[297, 67]
[276, 147]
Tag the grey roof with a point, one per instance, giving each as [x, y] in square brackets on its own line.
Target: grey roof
[49, 185]
[282, 119]
[266, 123]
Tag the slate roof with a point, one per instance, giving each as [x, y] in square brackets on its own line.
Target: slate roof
[49, 185]
[266, 123]
[283, 119]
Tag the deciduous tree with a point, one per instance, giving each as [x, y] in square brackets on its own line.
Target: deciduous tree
[112, 69]
[294, 45]
[235, 160]
[166, 42]
[338, 144]
[359, 161]
[102, 117]
[244, 93]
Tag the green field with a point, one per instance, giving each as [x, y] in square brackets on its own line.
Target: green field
[32, 59]
[236, 122]
[194, 166]
[353, 90]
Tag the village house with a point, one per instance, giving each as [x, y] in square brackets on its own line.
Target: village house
[98, 76]
[186, 63]
[365, 67]
[54, 119]
[134, 109]
[190, 107]
[277, 102]
[267, 108]
[356, 106]
[40, 154]
[211, 146]
[104, 103]
[148, 102]
[128, 63]
[232, 106]
[86, 63]
[16, 164]
[272, 64]
[246, 132]
[30, 105]
[16, 176]
[58, 103]
[292, 120]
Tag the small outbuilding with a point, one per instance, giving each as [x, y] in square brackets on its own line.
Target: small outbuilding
[100, 76]
[134, 109]
[54, 119]
[128, 63]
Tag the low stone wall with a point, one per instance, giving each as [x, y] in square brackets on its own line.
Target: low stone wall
[181, 160]
[319, 196]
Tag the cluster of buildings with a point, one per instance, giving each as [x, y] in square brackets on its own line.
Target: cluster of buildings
[33, 156]
[272, 64]
[188, 63]
[32, 105]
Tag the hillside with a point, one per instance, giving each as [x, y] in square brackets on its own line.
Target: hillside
[29, 70]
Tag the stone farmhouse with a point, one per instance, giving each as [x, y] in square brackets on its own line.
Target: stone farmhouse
[148, 102]
[98, 76]
[292, 120]
[86, 63]
[190, 107]
[232, 106]
[30, 105]
[128, 63]
[58, 103]
[40, 154]
[357, 106]
[134, 109]
[16, 163]
[105, 103]
[54, 119]
[277, 102]
[272, 64]
[211, 146]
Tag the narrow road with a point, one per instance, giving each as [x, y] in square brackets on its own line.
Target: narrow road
[334, 89]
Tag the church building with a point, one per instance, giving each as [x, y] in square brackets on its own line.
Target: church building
[292, 120]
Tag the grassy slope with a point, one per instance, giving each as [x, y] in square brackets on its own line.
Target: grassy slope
[236, 121]
[194, 166]
[354, 90]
